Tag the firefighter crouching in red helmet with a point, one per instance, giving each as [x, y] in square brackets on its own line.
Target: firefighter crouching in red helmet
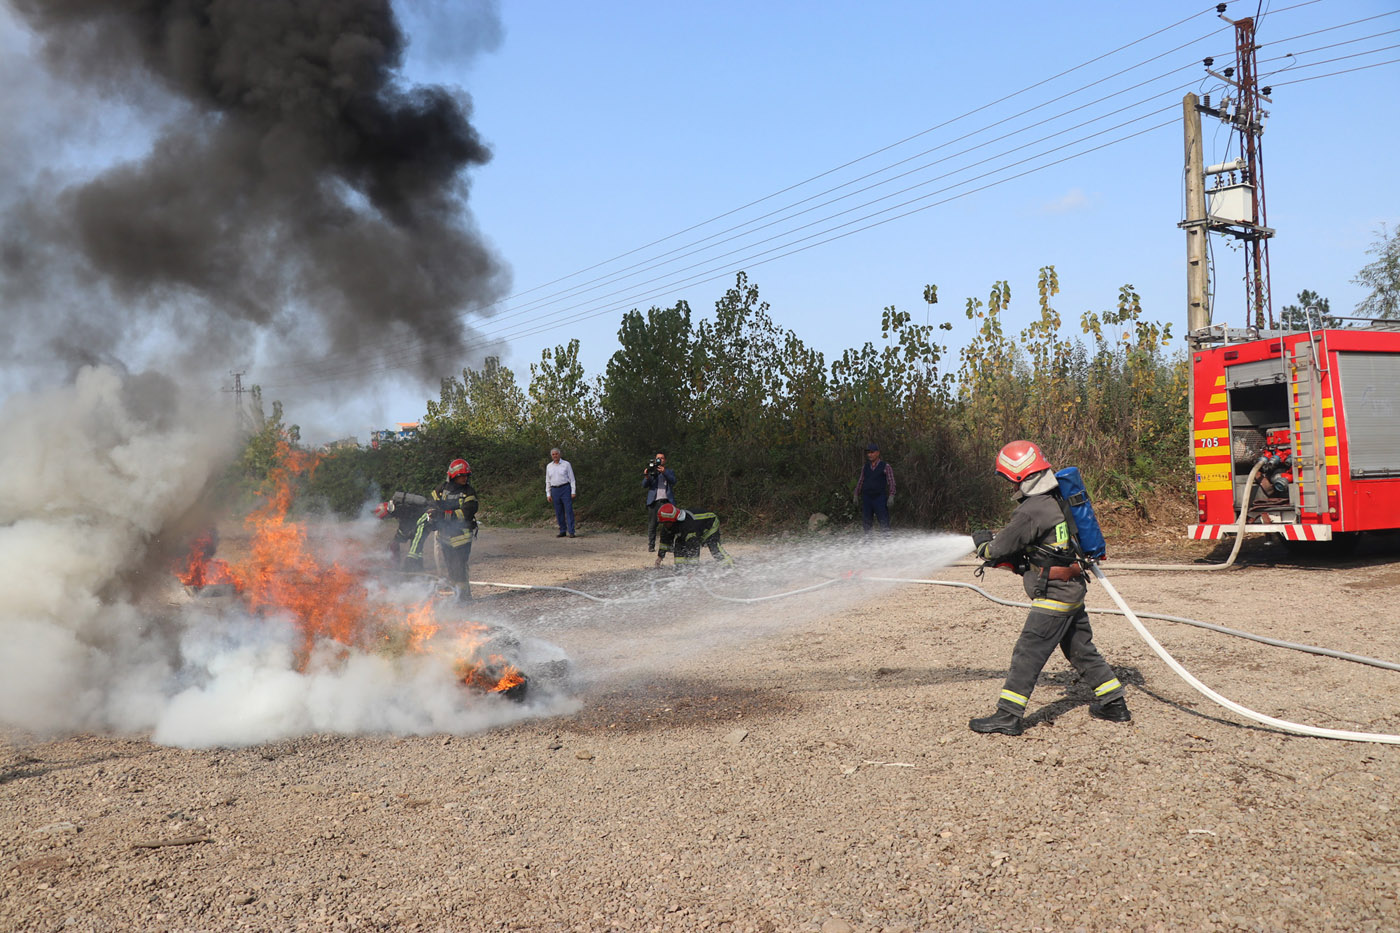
[452, 514]
[684, 532]
[1037, 542]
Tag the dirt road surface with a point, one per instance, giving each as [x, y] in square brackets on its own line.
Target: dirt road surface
[794, 764]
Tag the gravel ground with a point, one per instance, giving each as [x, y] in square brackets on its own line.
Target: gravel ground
[800, 764]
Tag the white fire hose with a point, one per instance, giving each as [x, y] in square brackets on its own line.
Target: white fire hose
[1240, 522]
[1247, 713]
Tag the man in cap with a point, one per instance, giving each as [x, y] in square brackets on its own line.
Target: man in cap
[875, 490]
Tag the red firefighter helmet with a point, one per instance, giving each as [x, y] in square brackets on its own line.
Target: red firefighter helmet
[668, 513]
[458, 468]
[383, 509]
[1020, 459]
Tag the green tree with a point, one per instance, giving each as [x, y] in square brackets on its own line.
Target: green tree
[648, 391]
[738, 386]
[1310, 306]
[262, 450]
[485, 402]
[1382, 277]
[563, 404]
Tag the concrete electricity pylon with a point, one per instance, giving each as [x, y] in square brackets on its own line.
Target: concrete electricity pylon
[1234, 201]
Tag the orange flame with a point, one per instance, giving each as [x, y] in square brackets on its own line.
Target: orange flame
[282, 576]
[201, 567]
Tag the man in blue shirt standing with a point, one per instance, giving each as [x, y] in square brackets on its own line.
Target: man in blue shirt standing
[560, 488]
[875, 490]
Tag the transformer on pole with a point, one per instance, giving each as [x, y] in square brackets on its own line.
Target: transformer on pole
[1235, 203]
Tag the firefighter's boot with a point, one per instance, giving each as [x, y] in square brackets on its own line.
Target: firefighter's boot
[1000, 721]
[1112, 711]
[464, 592]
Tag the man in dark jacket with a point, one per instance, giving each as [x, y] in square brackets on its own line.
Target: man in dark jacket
[1037, 541]
[659, 481]
[875, 490]
[684, 532]
[452, 514]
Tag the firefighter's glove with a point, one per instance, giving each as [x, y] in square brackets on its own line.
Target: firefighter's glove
[980, 540]
[889, 501]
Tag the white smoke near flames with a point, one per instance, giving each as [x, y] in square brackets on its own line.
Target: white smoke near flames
[95, 478]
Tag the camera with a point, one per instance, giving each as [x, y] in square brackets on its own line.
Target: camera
[654, 466]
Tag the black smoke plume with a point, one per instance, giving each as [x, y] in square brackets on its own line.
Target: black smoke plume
[296, 190]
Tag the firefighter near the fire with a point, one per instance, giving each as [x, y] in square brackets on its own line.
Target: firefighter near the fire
[406, 508]
[1043, 543]
[451, 512]
[685, 532]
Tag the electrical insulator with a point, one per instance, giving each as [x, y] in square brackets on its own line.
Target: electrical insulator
[1229, 72]
[1206, 99]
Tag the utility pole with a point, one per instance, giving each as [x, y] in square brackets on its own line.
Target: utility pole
[1236, 205]
[1197, 270]
[240, 413]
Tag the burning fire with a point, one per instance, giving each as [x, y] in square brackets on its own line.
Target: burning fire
[282, 576]
[201, 568]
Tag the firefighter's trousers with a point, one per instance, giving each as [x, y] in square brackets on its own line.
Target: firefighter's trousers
[457, 560]
[1049, 624]
[688, 552]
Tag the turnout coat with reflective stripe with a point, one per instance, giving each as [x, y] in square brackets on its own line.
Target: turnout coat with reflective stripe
[457, 513]
[686, 535]
[1039, 521]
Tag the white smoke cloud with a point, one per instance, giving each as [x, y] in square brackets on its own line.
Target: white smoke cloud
[96, 635]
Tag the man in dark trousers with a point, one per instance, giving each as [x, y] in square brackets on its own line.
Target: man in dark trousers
[1037, 541]
[685, 532]
[452, 514]
[875, 490]
[659, 481]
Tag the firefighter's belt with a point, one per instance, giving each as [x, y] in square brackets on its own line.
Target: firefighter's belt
[1065, 574]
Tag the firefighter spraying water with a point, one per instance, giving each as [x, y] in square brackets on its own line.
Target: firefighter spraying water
[1043, 543]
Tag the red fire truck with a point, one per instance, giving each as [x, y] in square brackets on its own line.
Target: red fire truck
[1319, 411]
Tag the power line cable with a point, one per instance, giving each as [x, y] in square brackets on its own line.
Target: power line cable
[613, 275]
[886, 148]
[553, 321]
[727, 270]
[515, 332]
[1328, 61]
[420, 341]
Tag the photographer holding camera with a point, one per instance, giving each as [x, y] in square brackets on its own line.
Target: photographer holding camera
[660, 483]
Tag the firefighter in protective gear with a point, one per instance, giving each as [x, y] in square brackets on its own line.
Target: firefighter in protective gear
[685, 532]
[451, 513]
[407, 508]
[1038, 542]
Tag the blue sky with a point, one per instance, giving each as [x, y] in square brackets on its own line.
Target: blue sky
[616, 125]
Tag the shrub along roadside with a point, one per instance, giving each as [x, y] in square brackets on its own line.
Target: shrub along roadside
[761, 430]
